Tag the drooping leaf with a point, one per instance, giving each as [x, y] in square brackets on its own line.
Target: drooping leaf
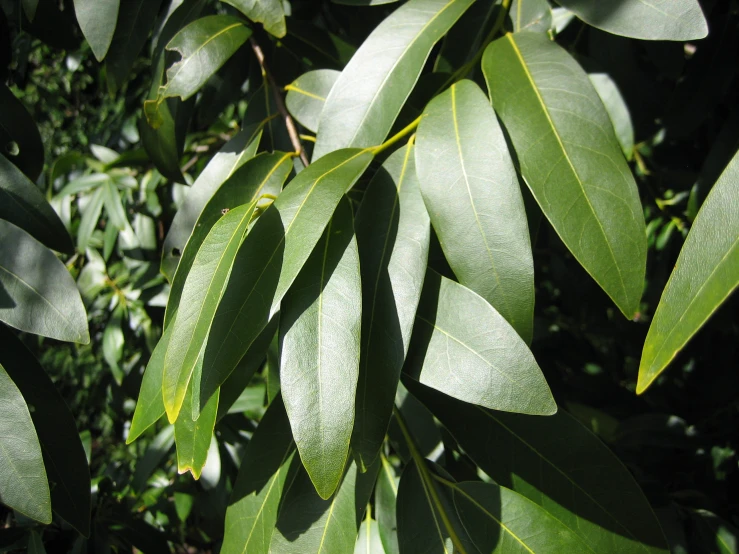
[113, 341]
[205, 45]
[193, 438]
[235, 153]
[386, 494]
[63, 453]
[571, 160]
[643, 19]
[308, 523]
[97, 19]
[531, 15]
[20, 139]
[319, 345]
[617, 110]
[706, 273]
[164, 142]
[368, 541]
[393, 237]
[136, 19]
[157, 449]
[307, 94]
[89, 219]
[29, 7]
[252, 509]
[269, 13]
[114, 207]
[37, 293]
[23, 483]
[464, 348]
[368, 96]
[471, 191]
[24, 205]
[272, 256]
[543, 458]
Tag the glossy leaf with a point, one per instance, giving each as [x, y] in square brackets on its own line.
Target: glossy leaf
[310, 524]
[269, 13]
[235, 153]
[193, 437]
[272, 256]
[20, 139]
[97, 19]
[393, 236]
[531, 15]
[617, 110]
[386, 494]
[368, 96]
[63, 453]
[464, 348]
[24, 205]
[23, 484]
[252, 511]
[571, 160]
[471, 191]
[643, 19]
[706, 272]
[542, 459]
[319, 345]
[307, 94]
[37, 293]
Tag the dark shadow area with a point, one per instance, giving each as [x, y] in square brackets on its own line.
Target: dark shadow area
[6, 302]
[424, 326]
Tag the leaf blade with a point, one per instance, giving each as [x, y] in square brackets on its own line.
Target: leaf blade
[97, 19]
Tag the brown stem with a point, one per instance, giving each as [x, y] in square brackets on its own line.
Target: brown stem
[289, 123]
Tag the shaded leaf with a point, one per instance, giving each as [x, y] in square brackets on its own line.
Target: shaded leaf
[464, 348]
[386, 493]
[393, 237]
[29, 7]
[643, 19]
[193, 438]
[269, 13]
[23, 484]
[97, 19]
[20, 139]
[471, 191]
[463, 41]
[157, 449]
[307, 94]
[368, 96]
[706, 272]
[571, 160]
[37, 293]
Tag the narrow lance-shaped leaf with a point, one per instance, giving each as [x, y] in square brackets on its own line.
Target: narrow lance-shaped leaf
[24, 205]
[368, 96]
[97, 19]
[393, 236]
[643, 19]
[271, 258]
[706, 273]
[386, 493]
[471, 191]
[542, 459]
[193, 437]
[320, 334]
[37, 293]
[63, 453]
[464, 348]
[269, 13]
[23, 483]
[571, 160]
[307, 95]
[90, 218]
[252, 511]
[20, 139]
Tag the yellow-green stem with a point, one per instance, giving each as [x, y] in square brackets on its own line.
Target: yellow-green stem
[396, 137]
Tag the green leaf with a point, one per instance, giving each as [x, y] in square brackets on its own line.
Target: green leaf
[643, 19]
[264, 174]
[205, 45]
[717, 535]
[63, 453]
[269, 13]
[135, 22]
[471, 191]
[319, 345]
[35, 543]
[309, 524]
[252, 509]
[193, 437]
[20, 139]
[393, 237]
[235, 153]
[114, 207]
[157, 449]
[363, 2]
[531, 15]
[368, 96]
[29, 7]
[201, 293]
[386, 493]
[113, 341]
[617, 110]
[322, 48]
[97, 19]
[24, 205]
[37, 293]
[368, 541]
[90, 218]
[571, 160]
[464, 348]
[706, 272]
[23, 483]
[559, 464]
[307, 94]
[162, 143]
[272, 256]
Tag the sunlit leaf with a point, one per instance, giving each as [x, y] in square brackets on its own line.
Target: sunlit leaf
[307, 94]
[269, 13]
